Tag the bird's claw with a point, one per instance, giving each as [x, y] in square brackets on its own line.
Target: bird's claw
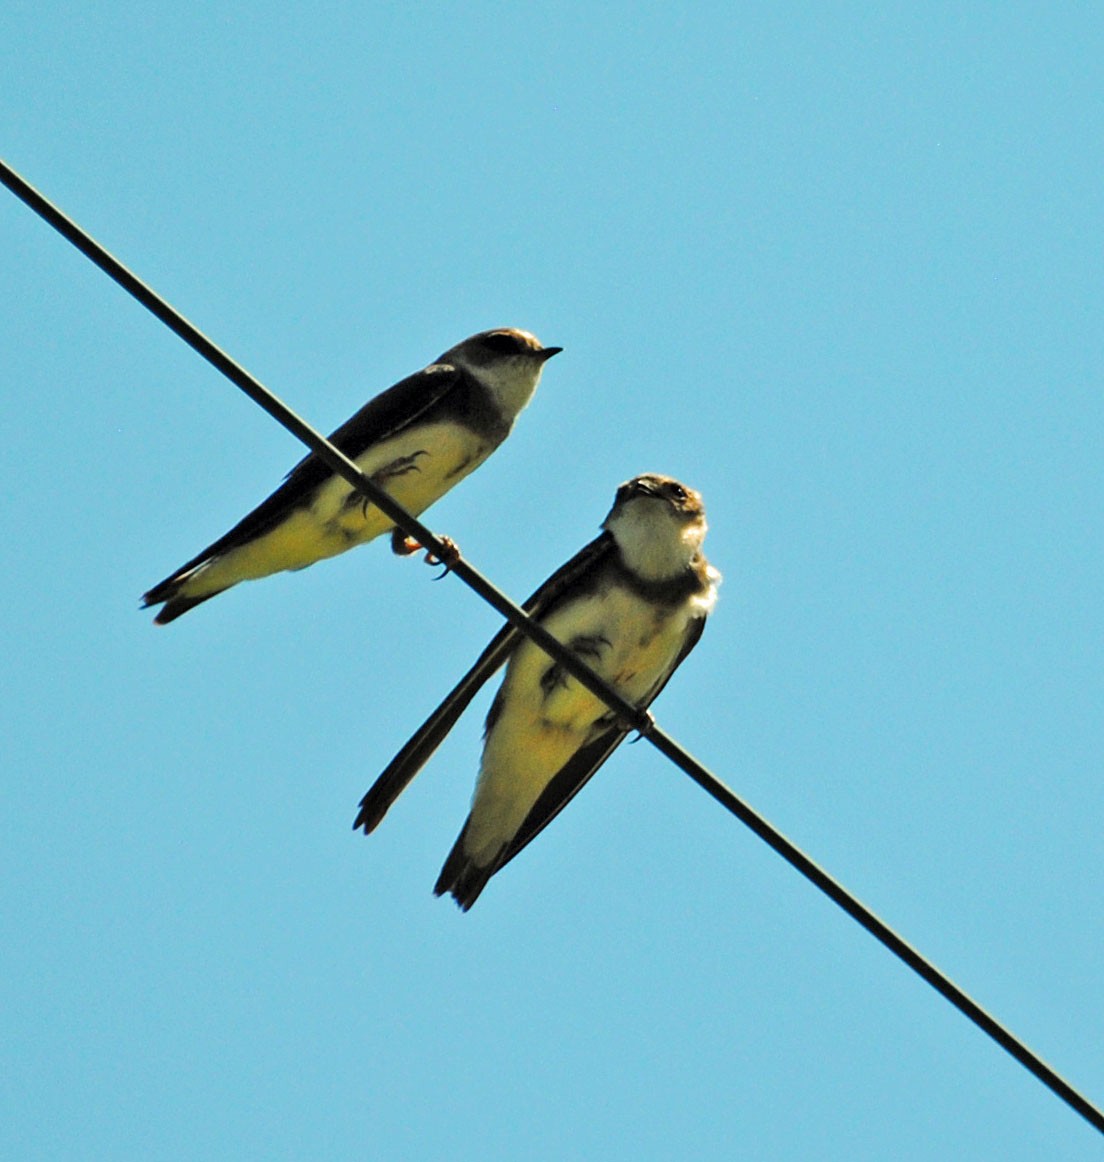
[404, 546]
[448, 555]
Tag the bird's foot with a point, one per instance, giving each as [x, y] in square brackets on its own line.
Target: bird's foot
[448, 555]
[402, 545]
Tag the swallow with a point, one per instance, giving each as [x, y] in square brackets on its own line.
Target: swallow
[416, 440]
[632, 604]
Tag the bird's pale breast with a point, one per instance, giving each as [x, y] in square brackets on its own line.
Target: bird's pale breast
[541, 725]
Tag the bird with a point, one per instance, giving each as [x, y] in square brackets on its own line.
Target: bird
[632, 603]
[417, 440]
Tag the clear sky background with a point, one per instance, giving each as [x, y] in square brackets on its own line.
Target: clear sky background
[837, 266]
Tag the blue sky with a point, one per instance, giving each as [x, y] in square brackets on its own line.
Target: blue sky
[837, 268]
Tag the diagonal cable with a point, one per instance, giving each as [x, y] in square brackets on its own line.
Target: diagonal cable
[640, 720]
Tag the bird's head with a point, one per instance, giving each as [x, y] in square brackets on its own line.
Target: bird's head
[508, 362]
[658, 524]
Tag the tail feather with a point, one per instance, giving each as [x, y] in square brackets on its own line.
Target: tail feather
[409, 761]
[461, 876]
[375, 804]
[168, 592]
[177, 606]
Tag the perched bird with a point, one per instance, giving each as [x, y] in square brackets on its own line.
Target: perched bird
[633, 604]
[417, 439]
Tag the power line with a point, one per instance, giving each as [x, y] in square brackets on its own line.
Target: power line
[639, 720]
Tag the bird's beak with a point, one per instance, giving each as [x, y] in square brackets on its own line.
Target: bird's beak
[546, 353]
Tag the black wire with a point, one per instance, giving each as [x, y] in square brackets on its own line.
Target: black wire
[337, 460]
[638, 719]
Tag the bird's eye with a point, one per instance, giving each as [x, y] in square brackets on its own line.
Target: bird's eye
[503, 344]
[677, 491]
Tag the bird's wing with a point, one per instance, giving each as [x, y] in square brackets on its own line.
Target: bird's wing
[576, 772]
[389, 413]
[429, 736]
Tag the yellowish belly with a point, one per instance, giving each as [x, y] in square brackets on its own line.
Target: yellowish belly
[540, 729]
[440, 456]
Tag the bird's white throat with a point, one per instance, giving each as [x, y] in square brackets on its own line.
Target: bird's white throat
[654, 542]
[512, 381]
